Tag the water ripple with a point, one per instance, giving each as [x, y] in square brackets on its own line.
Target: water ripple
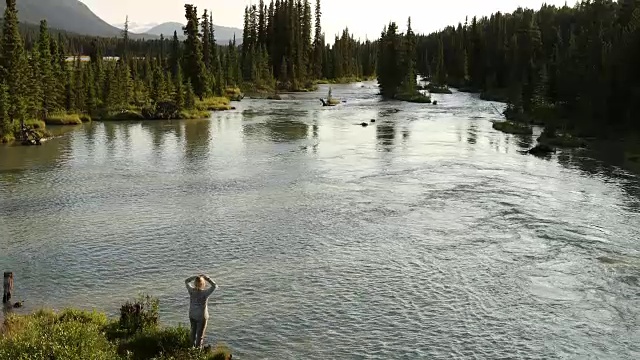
[424, 235]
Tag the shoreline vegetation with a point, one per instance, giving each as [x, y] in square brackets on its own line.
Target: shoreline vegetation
[77, 335]
[68, 78]
[544, 66]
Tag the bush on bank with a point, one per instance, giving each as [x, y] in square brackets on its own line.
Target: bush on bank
[79, 335]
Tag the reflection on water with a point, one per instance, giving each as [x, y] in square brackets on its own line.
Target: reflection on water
[472, 133]
[386, 135]
[424, 235]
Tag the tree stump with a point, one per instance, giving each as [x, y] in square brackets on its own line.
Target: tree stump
[7, 287]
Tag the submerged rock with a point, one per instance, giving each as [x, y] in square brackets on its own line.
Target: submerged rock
[541, 150]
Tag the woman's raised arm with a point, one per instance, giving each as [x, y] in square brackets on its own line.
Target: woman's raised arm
[188, 282]
[213, 284]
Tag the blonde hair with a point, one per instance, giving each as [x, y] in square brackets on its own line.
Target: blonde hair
[199, 283]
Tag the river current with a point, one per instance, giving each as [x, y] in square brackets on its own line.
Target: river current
[424, 235]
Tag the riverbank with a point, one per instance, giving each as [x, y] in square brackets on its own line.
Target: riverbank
[77, 335]
[201, 109]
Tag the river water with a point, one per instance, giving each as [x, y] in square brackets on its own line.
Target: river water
[424, 235]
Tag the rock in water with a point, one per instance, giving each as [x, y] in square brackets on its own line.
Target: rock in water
[541, 150]
[364, 124]
[435, 102]
[373, 120]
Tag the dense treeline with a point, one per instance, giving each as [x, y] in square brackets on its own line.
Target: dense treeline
[277, 46]
[575, 67]
[172, 79]
[166, 77]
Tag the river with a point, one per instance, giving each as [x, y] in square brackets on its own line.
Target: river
[424, 235]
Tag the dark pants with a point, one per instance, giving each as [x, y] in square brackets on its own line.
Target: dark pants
[198, 328]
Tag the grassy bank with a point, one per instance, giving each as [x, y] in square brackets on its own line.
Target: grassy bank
[416, 97]
[14, 131]
[511, 127]
[66, 119]
[344, 80]
[168, 111]
[79, 335]
[215, 103]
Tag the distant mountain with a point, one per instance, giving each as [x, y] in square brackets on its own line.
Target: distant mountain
[136, 28]
[69, 15]
[223, 34]
[166, 29]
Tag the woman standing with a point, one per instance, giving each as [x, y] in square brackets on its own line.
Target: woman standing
[198, 310]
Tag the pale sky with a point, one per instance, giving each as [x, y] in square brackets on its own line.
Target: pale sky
[363, 17]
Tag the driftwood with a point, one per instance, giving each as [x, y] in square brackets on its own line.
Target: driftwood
[30, 136]
[7, 287]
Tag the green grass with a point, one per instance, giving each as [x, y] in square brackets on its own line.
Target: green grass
[214, 103]
[79, 335]
[510, 127]
[414, 98]
[63, 119]
[85, 118]
[36, 124]
[194, 114]
[7, 138]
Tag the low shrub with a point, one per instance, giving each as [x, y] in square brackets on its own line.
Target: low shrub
[45, 335]
[152, 343]
[139, 315]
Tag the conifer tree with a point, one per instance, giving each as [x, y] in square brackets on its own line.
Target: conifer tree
[206, 40]
[318, 43]
[13, 63]
[190, 96]
[178, 95]
[194, 67]
[175, 55]
[47, 78]
[409, 58]
[5, 121]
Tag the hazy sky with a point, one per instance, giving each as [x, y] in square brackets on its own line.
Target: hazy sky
[363, 17]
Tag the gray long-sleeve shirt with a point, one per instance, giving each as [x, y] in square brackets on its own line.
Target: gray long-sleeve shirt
[198, 308]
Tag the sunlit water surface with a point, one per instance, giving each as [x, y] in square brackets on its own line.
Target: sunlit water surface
[424, 235]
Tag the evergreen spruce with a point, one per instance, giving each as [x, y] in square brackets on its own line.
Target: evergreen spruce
[13, 63]
[194, 66]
